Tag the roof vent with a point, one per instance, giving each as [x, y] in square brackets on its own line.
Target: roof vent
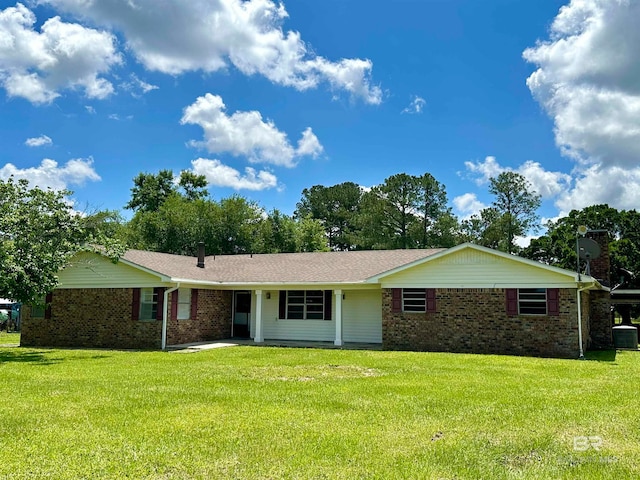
[200, 263]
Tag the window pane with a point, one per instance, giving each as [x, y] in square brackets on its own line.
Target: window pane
[148, 304]
[295, 312]
[414, 300]
[184, 303]
[532, 301]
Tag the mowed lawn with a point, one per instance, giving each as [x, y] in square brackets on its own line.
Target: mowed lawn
[249, 412]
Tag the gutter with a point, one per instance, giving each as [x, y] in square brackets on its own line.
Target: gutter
[165, 314]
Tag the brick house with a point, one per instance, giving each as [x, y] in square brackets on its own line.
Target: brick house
[463, 299]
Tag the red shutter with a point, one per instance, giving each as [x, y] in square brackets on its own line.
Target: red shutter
[160, 307]
[553, 301]
[282, 311]
[396, 300]
[431, 300]
[135, 304]
[174, 305]
[47, 308]
[194, 303]
[327, 304]
[512, 301]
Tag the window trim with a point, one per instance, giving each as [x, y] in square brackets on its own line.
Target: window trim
[325, 303]
[538, 303]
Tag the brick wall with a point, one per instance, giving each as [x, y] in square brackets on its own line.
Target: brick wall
[90, 318]
[601, 321]
[101, 318]
[213, 320]
[475, 321]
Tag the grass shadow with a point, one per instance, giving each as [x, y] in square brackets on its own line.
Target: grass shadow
[21, 356]
[601, 355]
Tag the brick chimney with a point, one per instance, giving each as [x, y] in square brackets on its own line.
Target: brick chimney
[601, 266]
[200, 263]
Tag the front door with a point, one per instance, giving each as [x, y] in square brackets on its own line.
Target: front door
[241, 314]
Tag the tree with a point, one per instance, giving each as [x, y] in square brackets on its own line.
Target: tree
[39, 233]
[194, 186]
[436, 221]
[150, 191]
[336, 207]
[516, 205]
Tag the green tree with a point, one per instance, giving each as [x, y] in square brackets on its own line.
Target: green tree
[150, 191]
[336, 207]
[435, 219]
[39, 233]
[516, 205]
[194, 186]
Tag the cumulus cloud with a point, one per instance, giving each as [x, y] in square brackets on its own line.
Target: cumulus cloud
[221, 175]
[587, 81]
[36, 65]
[40, 141]
[50, 175]
[546, 183]
[204, 35]
[468, 205]
[245, 134]
[416, 105]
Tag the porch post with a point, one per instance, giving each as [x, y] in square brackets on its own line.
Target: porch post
[258, 336]
[338, 295]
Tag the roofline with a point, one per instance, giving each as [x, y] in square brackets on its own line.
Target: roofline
[163, 277]
[507, 256]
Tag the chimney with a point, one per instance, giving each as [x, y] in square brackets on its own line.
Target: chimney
[601, 266]
[200, 263]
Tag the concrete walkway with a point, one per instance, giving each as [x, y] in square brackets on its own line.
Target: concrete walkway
[199, 346]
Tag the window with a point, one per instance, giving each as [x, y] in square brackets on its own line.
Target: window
[148, 304]
[414, 300]
[532, 301]
[43, 308]
[37, 311]
[184, 303]
[305, 305]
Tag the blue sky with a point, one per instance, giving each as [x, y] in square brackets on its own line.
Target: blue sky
[267, 99]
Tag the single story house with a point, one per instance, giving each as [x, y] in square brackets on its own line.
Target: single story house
[463, 299]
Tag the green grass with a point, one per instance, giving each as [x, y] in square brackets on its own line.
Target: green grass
[246, 412]
[12, 338]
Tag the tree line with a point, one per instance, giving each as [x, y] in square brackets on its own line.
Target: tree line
[40, 231]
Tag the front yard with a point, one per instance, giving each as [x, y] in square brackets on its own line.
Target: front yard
[246, 412]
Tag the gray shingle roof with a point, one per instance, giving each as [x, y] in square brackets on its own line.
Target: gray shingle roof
[317, 267]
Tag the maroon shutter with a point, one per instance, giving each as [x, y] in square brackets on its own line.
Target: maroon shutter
[327, 304]
[553, 301]
[512, 301]
[174, 305]
[47, 308]
[282, 311]
[431, 300]
[135, 304]
[396, 300]
[194, 304]
[160, 307]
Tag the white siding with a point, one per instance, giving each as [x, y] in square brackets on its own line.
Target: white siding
[362, 316]
[275, 329]
[90, 270]
[471, 268]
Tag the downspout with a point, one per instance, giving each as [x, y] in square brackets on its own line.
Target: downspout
[579, 299]
[165, 314]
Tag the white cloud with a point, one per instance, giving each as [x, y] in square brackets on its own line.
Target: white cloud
[137, 87]
[309, 145]
[49, 175]
[203, 35]
[468, 205]
[416, 106]
[616, 186]
[37, 65]
[40, 141]
[221, 175]
[587, 80]
[90, 109]
[245, 134]
[546, 183]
